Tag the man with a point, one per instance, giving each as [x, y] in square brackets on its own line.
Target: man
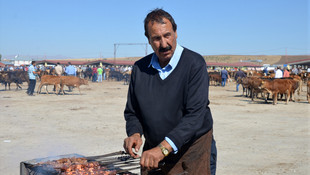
[99, 71]
[265, 71]
[286, 73]
[94, 73]
[279, 73]
[32, 78]
[70, 71]
[224, 75]
[295, 70]
[58, 69]
[239, 74]
[168, 104]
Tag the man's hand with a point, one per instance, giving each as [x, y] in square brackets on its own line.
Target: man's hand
[134, 141]
[150, 158]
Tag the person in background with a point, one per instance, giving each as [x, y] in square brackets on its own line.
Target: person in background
[70, 71]
[94, 73]
[278, 73]
[299, 70]
[32, 72]
[286, 73]
[58, 69]
[265, 71]
[99, 71]
[239, 74]
[6, 68]
[168, 103]
[224, 75]
[295, 70]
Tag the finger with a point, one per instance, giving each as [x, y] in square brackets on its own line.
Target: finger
[138, 145]
[151, 163]
[129, 149]
[155, 165]
[146, 163]
[126, 145]
[142, 161]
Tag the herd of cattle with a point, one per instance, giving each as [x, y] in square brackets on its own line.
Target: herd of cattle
[49, 78]
[256, 83]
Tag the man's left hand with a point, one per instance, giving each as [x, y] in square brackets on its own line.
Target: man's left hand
[150, 158]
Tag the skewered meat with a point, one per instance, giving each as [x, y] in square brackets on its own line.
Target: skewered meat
[77, 166]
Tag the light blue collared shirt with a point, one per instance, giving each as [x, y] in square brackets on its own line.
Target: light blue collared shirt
[31, 75]
[165, 72]
[70, 70]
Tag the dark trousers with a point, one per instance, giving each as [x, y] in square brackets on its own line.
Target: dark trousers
[223, 81]
[94, 78]
[213, 157]
[195, 161]
[32, 85]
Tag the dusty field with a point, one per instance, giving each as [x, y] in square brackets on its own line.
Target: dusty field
[252, 137]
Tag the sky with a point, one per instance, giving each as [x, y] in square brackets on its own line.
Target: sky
[90, 29]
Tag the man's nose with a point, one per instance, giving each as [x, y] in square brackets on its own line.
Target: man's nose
[163, 43]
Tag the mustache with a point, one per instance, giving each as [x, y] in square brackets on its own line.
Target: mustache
[162, 49]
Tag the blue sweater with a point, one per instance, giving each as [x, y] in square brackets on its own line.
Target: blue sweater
[176, 107]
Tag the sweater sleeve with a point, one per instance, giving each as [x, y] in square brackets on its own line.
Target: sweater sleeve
[196, 107]
[133, 124]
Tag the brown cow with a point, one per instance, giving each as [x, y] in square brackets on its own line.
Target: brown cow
[215, 79]
[49, 80]
[71, 81]
[255, 88]
[278, 86]
[245, 85]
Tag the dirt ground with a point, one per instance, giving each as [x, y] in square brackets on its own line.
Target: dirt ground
[252, 137]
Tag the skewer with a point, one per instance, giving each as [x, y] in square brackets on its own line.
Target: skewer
[106, 155]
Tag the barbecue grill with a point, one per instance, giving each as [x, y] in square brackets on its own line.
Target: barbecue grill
[118, 163]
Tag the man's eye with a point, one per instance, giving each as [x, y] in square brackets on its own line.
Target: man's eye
[156, 38]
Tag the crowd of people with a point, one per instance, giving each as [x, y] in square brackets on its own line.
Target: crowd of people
[278, 73]
[95, 73]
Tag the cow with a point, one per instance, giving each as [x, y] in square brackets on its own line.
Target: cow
[245, 85]
[254, 87]
[215, 78]
[71, 81]
[115, 75]
[49, 80]
[17, 77]
[299, 80]
[278, 86]
[88, 73]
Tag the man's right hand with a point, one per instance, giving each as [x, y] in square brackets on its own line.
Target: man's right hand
[134, 141]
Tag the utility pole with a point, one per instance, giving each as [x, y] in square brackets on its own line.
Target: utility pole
[286, 56]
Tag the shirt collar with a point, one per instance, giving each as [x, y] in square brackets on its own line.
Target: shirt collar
[173, 61]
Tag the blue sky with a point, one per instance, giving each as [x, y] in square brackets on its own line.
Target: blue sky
[89, 29]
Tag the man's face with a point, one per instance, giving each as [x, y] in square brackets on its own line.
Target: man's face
[163, 40]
